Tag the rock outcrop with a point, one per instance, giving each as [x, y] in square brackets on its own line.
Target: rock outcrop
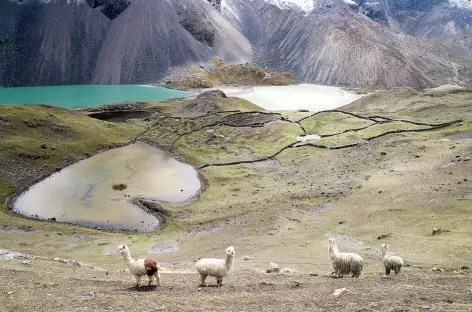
[110, 8]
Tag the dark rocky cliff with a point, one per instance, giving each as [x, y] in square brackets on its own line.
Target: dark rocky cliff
[50, 43]
[367, 43]
[68, 42]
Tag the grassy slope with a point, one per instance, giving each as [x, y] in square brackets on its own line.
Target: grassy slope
[226, 144]
[351, 179]
[329, 123]
[66, 135]
[399, 183]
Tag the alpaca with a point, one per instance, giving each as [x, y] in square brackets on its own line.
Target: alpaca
[344, 263]
[215, 267]
[140, 267]
[394, 263]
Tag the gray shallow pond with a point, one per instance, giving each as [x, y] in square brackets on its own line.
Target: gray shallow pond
[82, 193]
[460, 136]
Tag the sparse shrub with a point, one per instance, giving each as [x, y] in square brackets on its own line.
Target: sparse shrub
[119, 187]
[288, 271]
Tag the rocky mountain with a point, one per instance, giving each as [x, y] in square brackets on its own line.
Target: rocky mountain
[68, 42]
[334, 44]
[448, 21]
[420, 16]
[110, 8]
[384, 43]
[445, 19]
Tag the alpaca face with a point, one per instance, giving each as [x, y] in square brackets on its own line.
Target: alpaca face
[332, 241]
[230, 251]
[122, 249]
[384, 246]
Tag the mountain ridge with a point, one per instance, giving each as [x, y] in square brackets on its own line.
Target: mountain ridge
[343, 47]
[62, 42]
[76, 42]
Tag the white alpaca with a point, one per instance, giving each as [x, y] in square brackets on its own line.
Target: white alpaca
[215, 267]
[390, 262]
[140, 267]
[344, 263]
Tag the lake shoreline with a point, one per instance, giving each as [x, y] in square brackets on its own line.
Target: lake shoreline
[162, 213]
[88, 96]
[10, 202]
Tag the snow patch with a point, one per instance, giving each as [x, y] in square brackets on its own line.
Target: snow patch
[351, 3]
[465, 4]
[305, 5]
[309, 137]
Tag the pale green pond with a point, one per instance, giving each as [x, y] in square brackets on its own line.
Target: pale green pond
[87, 95]
[83, 192]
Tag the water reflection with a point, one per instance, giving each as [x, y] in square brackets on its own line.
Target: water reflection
[82, 193]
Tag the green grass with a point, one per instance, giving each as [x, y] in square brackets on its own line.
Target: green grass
[354, 137]
[37, 139]
[387, 185]
[232, 103]
[330, 123]
[398, 183]
[410, 104]
[6, 189]
[293, 115]
[226, 144]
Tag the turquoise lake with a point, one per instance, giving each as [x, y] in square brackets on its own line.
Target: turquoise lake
[87, 95]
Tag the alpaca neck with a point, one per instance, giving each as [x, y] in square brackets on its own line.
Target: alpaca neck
[229, 262]
[333, 249]
[384, 252]
[127, 257]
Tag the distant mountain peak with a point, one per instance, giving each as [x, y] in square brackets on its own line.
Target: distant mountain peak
[304, 5]
[465, 4]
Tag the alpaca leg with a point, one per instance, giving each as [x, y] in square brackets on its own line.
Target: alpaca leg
[150, 277]
[202, 279]
[335, 273]
[387, 272]
[353, 273]
[219, 281]
[158, 278]
[397, 270]
[138, 280]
